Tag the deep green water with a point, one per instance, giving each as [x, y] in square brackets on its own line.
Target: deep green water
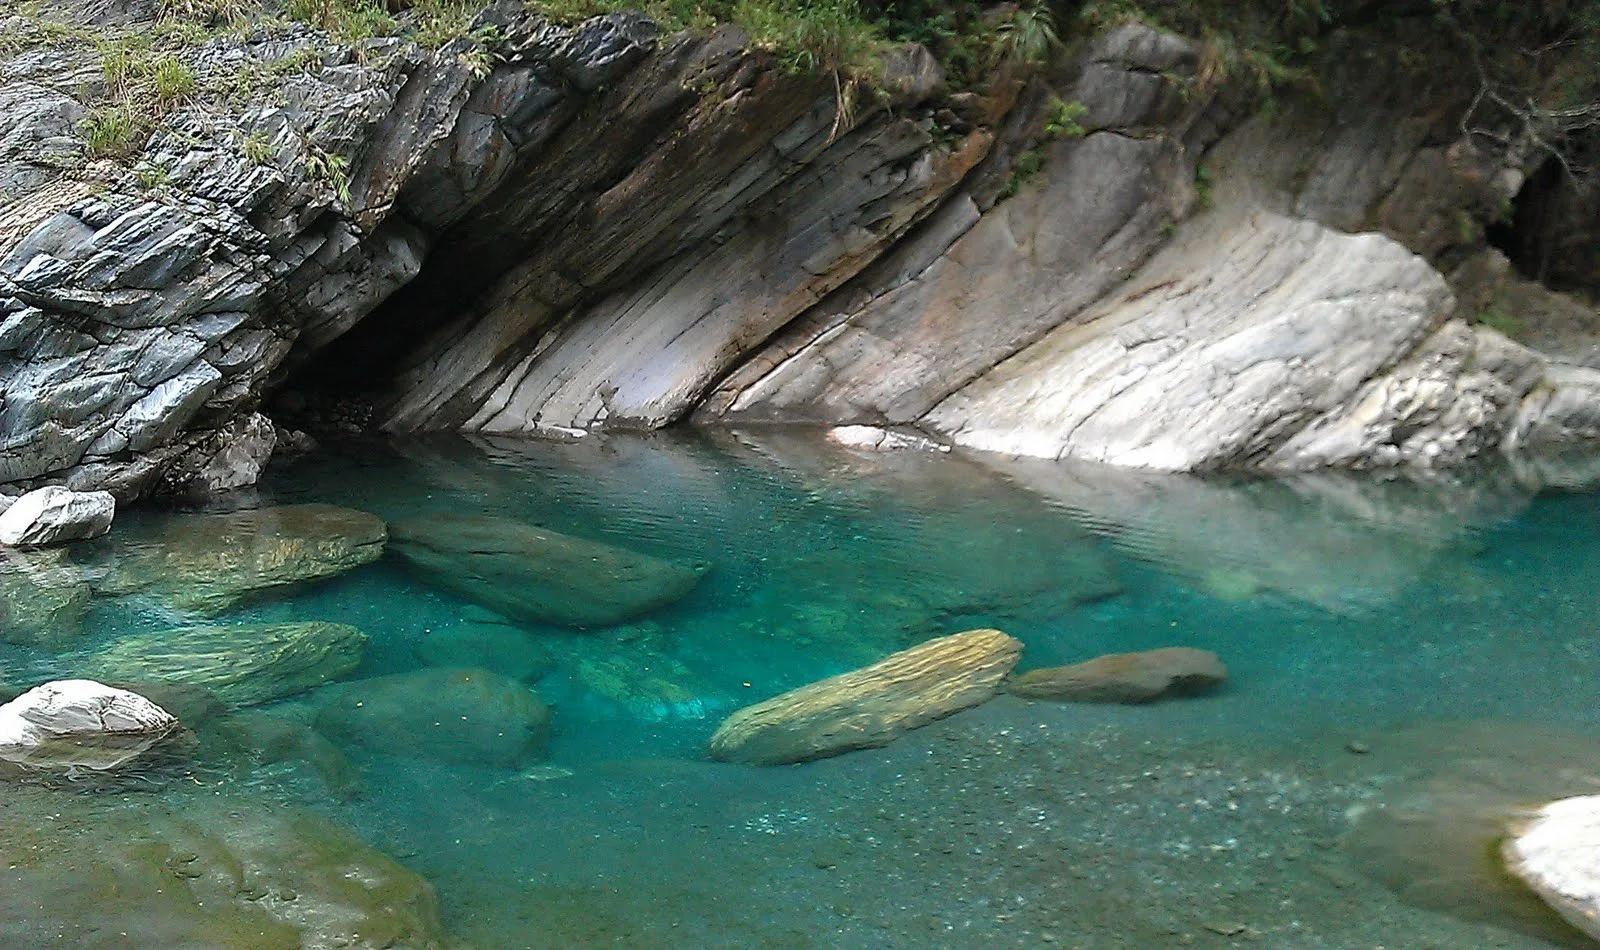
[1446, 631]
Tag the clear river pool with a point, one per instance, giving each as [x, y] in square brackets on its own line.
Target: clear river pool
[1410, 661]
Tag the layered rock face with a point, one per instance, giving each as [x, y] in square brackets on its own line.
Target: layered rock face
[541, 228]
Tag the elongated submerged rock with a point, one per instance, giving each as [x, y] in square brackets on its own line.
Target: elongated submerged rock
[530, 573]
[872, 706]
[209, 564]
[244, 664]
[1125, 677]
[1557, 853]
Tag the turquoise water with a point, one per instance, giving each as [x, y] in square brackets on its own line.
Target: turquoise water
[1385, 639]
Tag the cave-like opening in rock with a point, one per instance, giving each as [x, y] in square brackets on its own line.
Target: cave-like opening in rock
[1528, 232]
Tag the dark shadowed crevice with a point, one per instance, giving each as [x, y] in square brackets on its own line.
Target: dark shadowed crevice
[1528, 234]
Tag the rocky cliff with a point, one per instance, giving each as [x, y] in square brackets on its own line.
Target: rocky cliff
[545, 228]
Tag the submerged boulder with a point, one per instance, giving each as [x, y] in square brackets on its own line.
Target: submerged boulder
[243, 664]
[491, 646]
[43, 598]
[530, 573]
[54, 514]
[1445, 798]
[69, 724]
[469, 716]
[223, 872]
[274, 735]
[1557, 853]
[1125, 677]
[872, 706]
[209, 564]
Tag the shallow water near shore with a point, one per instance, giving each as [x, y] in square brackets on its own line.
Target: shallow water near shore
[1401, 651]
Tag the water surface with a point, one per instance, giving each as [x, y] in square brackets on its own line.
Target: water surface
[1443, 629]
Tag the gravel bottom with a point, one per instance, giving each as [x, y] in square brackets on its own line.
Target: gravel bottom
[1015, 824]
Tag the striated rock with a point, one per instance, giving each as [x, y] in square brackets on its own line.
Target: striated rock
[221, 871]
[1555, 852]
[469, 716]
[209, 564]
[54, 514]
[243, 665]
[69, 724]
[1125, 677]
[526, 572]
[872, 706]
[43, 598]
[978, 281]
[1225, 345]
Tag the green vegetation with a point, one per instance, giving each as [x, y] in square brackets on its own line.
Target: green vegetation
[111, 131]
[141, 88]
[1060, 122]
[1497, 319]
[257, 148]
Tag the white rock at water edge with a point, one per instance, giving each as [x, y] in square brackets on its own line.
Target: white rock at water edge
[883, 440]
[76, 709]
[53, 514]
[1557, 853]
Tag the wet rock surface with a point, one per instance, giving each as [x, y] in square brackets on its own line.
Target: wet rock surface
[871, 706]
[241, 664]
[209, 564]
[520, 570]
[80, 724]
[1434, 832]
[216, 871]
[52, 515]
[1554, 851]
[1124, 677]
[470, 716]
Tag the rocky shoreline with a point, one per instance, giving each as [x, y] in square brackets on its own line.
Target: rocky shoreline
[498, 237]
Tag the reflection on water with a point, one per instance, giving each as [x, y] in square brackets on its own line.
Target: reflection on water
[1344, 542]
[551, 781]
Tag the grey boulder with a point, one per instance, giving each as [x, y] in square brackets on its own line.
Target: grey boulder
[54, 514]
[80, 724]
